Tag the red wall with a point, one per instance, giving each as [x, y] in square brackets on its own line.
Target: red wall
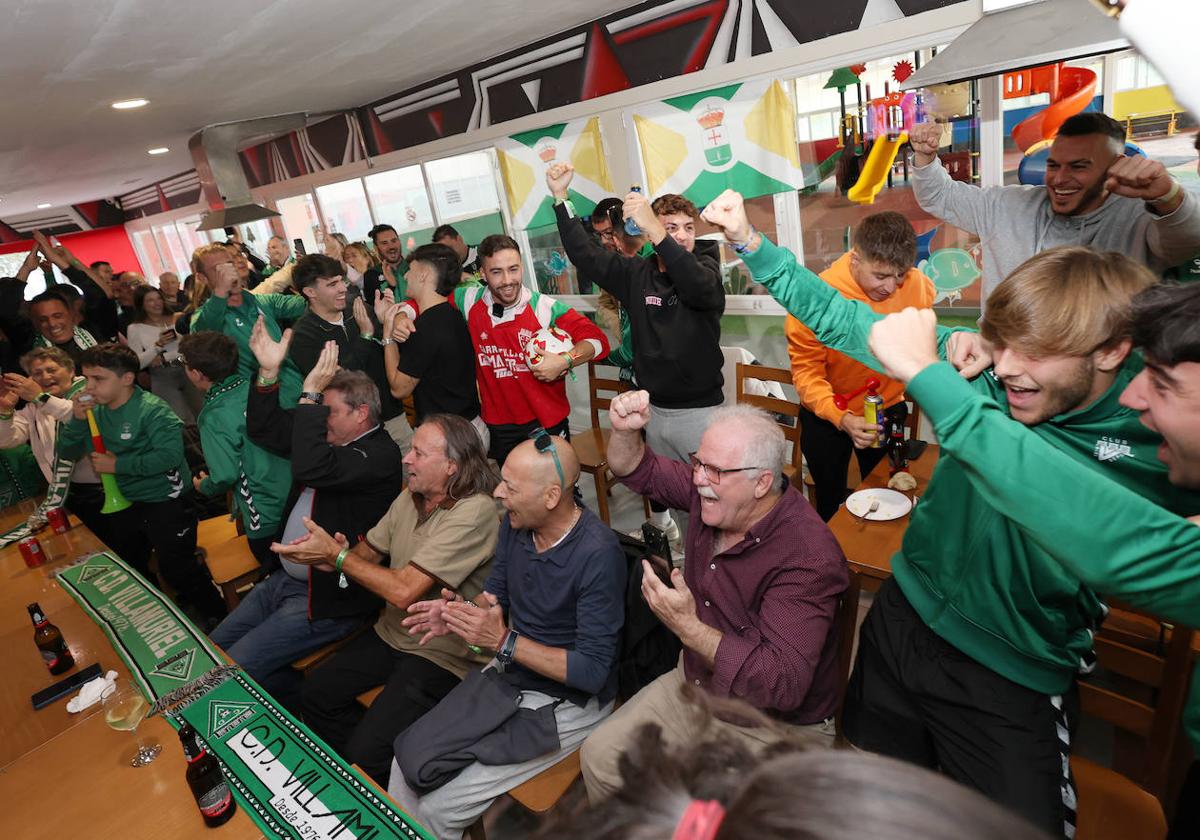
[110, 243]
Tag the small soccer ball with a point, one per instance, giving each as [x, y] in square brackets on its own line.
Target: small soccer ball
[546, 342]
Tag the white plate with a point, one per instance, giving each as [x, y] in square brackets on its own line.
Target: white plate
[892, 504]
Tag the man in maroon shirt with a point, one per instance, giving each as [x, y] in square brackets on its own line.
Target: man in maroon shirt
[755, 607]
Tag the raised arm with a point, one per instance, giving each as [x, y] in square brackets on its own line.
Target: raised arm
[608, 270]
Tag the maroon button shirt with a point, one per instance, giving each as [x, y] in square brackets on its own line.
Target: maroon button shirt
[773, 596]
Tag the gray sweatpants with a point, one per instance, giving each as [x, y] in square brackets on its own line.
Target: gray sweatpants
[451, 809]
[676, 432]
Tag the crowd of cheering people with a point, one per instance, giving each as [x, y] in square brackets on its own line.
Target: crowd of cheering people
[456, 560]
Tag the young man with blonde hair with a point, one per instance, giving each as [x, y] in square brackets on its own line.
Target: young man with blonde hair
[878, 271]
[967, 659]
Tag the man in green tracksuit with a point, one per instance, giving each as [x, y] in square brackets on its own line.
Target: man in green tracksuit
[233, 311]
[967, 658]
[1112, 538]
[260, 481]
[144, 443]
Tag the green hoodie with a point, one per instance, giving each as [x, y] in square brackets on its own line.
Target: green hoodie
[1111, 537]
[237, 322]
[971, 574]
[260, 481]
[147, 439]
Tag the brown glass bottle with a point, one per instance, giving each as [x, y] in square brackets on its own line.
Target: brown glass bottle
[50, 642]
[204, 778]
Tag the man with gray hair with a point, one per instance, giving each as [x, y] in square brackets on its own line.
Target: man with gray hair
[754, 606]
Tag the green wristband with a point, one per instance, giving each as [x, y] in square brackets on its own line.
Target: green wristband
[341, 558]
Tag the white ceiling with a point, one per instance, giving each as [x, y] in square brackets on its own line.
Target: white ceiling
[205, 61]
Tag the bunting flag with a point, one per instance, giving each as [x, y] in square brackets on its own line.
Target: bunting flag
[740, 137]
[524, 159]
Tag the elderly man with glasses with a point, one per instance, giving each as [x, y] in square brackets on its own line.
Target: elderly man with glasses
[754, 608]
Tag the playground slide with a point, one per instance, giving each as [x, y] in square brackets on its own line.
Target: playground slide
[874, 173]
[1076, 89]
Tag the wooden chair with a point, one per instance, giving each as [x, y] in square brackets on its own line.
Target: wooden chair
[232, 567]
[306, 663]
[847, 628]
[794, 469]
[591, 446]
[214, 531]
[1141, 693]
[541, 793]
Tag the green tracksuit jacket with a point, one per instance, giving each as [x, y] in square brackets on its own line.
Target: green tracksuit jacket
[260, 481]
[147, 439]
[237, 322]
[1122, 544]
[970, 572]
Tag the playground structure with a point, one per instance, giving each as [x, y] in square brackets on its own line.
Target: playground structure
[1071, 90]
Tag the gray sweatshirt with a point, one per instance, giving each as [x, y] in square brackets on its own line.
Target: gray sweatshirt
[1014, 223]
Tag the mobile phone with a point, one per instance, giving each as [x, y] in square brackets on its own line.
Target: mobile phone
[658, 551]
[298, 244]
[65, 686]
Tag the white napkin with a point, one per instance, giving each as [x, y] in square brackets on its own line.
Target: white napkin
[92, 692]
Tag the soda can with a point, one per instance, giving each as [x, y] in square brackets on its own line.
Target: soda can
[58, 520]
[31, 552]
[873, 414]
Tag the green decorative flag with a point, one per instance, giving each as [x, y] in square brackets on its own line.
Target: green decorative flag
[524, 159]
[741, 137]
[289, 782]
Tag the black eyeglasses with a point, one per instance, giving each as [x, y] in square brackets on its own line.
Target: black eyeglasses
[542, 441]
[713, 474]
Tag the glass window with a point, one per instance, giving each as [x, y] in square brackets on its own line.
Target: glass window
[300, 221]
[1027, 95]
[463, 186]
[147, 251]
[172, 248]
[344, 206]
[193, 239]
[828, 218]
[254, 236]
[399, 199]
[552, 271]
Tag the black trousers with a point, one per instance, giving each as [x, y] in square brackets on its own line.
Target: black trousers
[85, 501]
[169, 527]
[412, 685]
[827, 450]
[915, 697]
[507, 437]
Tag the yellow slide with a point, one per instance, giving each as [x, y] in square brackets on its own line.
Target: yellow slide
[874, 174]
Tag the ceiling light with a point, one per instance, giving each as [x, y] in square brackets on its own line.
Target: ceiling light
[126, 104]
[160, 150]
[44, 206]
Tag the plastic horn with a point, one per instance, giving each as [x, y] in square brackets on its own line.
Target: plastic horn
[843, 400]
[114, 499]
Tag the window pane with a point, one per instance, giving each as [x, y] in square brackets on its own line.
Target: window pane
[299, 216]
[254, 236]
[171, 247]
[828, 218]
[147, 251]
[344, 206]
[191, 238]
[464, 185]
[400, 200]
[553, 272]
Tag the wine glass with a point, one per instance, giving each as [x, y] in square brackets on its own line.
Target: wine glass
[125, 708]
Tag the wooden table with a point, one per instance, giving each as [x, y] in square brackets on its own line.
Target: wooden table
[869, 547]
[65, 775]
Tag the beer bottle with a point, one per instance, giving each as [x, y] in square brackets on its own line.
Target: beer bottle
[204, 778]
[49, 640]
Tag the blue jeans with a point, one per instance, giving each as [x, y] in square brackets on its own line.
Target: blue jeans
[270, 629]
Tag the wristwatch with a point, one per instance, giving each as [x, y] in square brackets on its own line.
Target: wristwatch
[313, 396]
[505, 655]
[43, 397]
